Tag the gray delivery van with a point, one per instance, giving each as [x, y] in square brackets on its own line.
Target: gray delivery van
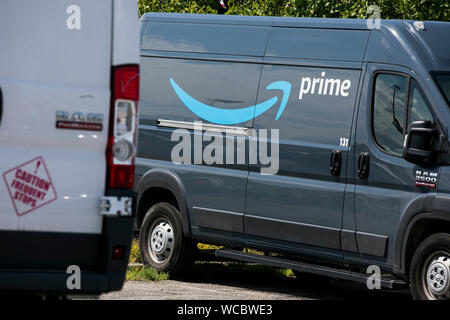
[322, 142]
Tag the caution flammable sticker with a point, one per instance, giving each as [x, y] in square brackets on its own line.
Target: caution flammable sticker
[30, 186]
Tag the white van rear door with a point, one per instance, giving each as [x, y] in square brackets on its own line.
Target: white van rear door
[55, 62]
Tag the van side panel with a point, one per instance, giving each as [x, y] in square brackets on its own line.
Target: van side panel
[220, 84]
[326, 44]
[303, 203]
[206, 70]
[207, 39]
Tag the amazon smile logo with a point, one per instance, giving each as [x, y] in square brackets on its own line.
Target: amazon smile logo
[212, 146]
[234, 116]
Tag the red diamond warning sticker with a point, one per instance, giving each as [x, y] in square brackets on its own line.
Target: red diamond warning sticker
[30, 186]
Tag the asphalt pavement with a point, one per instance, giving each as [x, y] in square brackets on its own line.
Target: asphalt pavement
[234, 281]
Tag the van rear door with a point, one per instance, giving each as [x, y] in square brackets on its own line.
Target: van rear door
[60, 63]
[55, 62]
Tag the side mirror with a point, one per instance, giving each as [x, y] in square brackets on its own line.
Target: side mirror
[418, 145]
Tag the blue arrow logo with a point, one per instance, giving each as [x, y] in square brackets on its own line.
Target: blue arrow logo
[234, 116]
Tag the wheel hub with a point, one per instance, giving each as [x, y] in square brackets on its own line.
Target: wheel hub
[161, 241]
[438, 273]
[158, 239]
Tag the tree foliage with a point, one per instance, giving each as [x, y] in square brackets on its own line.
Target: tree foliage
[390, 9]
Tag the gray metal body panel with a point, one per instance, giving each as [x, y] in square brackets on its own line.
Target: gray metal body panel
[228, 62]
[237, 86]
[216, 39]
[303, 191]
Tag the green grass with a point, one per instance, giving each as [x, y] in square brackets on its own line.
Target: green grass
[286, 272]
[138, 272]
[144, 273]
[135, 256]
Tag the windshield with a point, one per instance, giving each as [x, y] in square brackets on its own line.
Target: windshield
[443, 81]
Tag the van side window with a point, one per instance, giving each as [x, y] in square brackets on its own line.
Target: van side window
[419, 107]
[389, 112]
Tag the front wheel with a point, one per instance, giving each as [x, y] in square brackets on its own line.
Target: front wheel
[430, 269]
[162, 243]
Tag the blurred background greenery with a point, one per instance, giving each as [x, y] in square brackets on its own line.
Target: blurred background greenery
[390, 9]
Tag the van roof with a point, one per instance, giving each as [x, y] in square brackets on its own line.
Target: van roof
[396, 42]
[325, 23]
[331, 23]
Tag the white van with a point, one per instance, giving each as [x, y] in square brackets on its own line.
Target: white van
[69, 81]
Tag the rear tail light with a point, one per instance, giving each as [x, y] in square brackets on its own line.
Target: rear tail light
[125, 117]
[118, 252]
[121, 148]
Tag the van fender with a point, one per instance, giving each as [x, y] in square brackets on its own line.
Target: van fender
[430, 206]
[166, 179]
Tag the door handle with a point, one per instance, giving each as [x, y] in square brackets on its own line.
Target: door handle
[336, 163]
[363, 165]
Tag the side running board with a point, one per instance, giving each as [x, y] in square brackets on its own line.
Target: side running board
[306, 267]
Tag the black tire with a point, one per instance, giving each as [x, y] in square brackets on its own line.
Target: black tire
[178, 259]
[437, 245]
